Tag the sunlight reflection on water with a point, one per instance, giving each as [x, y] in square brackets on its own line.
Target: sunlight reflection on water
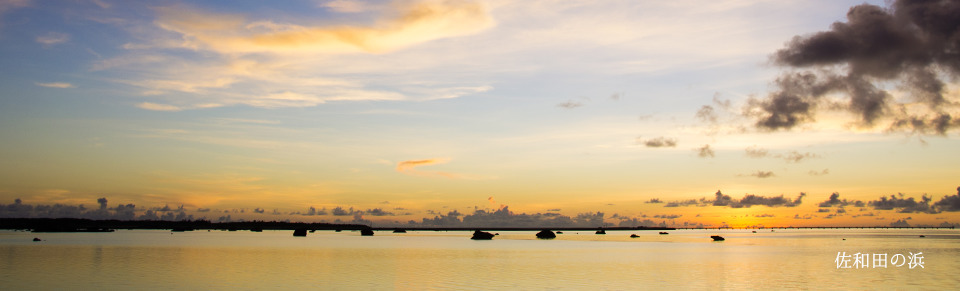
[145, 259]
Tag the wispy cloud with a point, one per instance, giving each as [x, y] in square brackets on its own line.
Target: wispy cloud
[61, 85]
[819, 173]
[415, 22]
[232, 60]
[53, 38]
[763, 174]
[347, 6]
[410, 168]
[570, 104]
[158, 107]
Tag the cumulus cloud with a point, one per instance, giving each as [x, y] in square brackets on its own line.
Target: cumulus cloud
[705, 151]
[796, 157]
[903, 205]
[900, 223]
[503, 217]
[658, 142]
[789, 157]
[755, 152]
[707, 114]
[668, 216]
[834, 200]
[747, 201]
[912, 43]
[653, 200]
[949, 203]
[61, 85]
[378, 212]
[763, 174]
[103, 212]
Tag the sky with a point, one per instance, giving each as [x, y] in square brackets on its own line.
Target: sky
[681, 113]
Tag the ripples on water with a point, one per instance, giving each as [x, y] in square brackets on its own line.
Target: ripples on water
[785, 259]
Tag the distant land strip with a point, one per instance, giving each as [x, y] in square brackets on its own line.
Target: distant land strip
[88, 225]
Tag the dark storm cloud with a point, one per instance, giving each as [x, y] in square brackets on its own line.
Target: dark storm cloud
[913, 43]
[658, 142]
[747, 201]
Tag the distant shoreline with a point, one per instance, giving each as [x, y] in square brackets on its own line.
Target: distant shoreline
[89, 225]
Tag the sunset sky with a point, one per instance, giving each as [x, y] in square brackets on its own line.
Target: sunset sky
[403, 110]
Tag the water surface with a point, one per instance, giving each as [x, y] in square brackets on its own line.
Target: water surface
[784, 259]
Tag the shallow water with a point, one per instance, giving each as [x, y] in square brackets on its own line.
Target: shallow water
[785, 259]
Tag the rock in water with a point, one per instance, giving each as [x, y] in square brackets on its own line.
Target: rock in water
[300, 232]
[37, 239]
[546, 234]
[481, 235]
[601, 231]
[366, 232]
[716, 237]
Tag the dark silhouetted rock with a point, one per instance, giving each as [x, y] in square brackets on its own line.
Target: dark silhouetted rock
[481, 235]
[399, 231]
[559, 232]
[664, 232]
[634, 235]
[300, 232]
[366, 232]
[601, 231]
[37, 239]
[716, 237]
[546, 234]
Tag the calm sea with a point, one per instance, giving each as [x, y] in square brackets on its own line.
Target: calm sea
[689, 259]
